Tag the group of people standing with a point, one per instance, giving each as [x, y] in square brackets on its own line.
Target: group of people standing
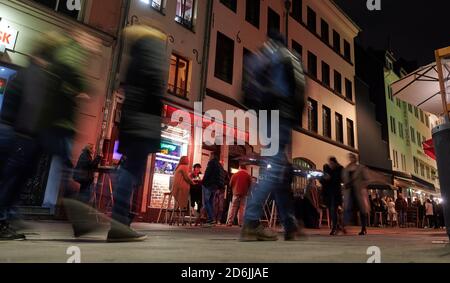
[209, 194]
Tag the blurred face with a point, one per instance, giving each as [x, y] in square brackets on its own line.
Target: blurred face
[197, 170]
[352, 158]
[332, 164]
[90, 148]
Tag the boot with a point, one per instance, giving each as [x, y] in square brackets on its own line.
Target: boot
[251, 233]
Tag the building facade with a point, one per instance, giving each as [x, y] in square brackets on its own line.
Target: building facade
[25, 21]
[323, 36]
[184, 23]
[409, 127]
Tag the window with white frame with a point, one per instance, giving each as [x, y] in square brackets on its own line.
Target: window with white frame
[185, 13]
[69, 8]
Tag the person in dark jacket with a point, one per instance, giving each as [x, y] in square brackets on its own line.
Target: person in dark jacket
[84, 172]
[44, 119]
[332, 190]
[140, 126]
[213, 180]
[402, 208]
[274, 80]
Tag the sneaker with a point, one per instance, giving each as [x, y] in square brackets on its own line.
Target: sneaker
[295, 235]
[125, 235]
[259, 233]
[8, 234]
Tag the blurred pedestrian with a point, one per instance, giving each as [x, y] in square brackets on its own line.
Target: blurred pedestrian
[274, 80]
[356, 179]
[313, 208]
[240, 184]
[332, 190]
[48, 93]
[84, 172]
[213, 181]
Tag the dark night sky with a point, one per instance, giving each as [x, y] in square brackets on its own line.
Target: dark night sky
[416, 27]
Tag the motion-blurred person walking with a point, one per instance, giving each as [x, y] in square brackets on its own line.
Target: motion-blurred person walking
[332, 190]
[47, 92]
[356, 179]
[274, 80]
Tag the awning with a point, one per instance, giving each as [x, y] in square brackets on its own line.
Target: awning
[421, 88]
[428, 148]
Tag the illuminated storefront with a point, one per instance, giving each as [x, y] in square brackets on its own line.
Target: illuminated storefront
[21, 23]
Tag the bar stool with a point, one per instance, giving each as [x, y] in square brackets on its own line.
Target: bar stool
[169, 197]
[181, 214]
[273, 215]
[327, 214]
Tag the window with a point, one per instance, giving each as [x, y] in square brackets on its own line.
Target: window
[416, 165]
[297, 48]
[422, 118]
[224, 58]
[395, 158]
[419, 139]
[422, 170]
[273, 21]
[423, 139]
[326, 121]
[339, 128]
[297, 10]
[400, 130]
[427, 121]
[393, 126]
[389, 91]
[231, 4]
[185, 13]
[347, 51]
[312, 64]
[410, 109]
[312, 115]
[398, 101]
[252, 12]
[348, 89]
[178, 76]
[312, 21]
[427, 169]
[413, 135]
[337, 82]
[350, 133]
[246, 54]
[389, 64]
[325, 31]
[325, 74]
[416, 112]
[403, 162]
[61, 7]
[433, 174]
[336, 42]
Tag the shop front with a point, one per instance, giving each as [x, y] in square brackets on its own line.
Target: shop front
[20, 26]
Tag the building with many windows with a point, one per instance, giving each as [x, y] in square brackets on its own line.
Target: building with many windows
[409, 127]
[323, 36]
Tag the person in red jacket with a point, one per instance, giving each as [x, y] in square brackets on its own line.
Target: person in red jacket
[240, 184]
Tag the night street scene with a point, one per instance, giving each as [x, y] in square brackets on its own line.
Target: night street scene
[224, 132]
